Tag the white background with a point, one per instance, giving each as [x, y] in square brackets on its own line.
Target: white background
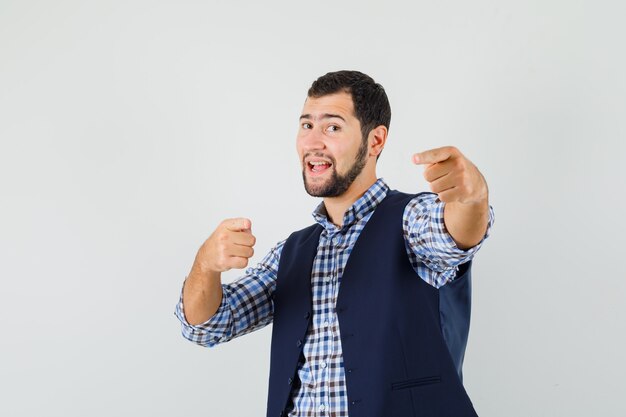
[129, 129]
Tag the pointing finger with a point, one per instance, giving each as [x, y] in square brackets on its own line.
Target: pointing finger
[433, 156]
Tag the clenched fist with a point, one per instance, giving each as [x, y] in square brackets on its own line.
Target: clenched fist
[230, 246]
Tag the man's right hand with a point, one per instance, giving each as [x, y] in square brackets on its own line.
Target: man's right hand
[230, 246]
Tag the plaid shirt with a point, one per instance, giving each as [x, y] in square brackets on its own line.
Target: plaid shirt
[320, 389]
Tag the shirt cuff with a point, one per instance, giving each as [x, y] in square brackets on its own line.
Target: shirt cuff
[446, 242]
[211, 331]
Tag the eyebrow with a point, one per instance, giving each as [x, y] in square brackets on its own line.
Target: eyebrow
[323, 116]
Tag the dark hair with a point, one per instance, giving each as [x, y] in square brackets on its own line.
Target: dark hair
[371, 105]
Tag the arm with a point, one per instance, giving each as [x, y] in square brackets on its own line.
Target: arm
[246, 305]
[467, 223]
[212, 312]
[203, 291]
[433, 252]
[460, 185]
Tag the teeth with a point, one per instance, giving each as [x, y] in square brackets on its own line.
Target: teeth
[319, 163]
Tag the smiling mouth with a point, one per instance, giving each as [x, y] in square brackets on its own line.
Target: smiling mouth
[318, 167]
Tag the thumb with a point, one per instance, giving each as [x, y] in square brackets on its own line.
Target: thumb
[239, 224]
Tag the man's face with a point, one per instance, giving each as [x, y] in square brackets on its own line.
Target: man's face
[330, 145]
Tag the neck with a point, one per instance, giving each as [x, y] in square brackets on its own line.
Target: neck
[336, 206]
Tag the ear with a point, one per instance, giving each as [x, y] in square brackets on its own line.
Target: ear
[377, 139]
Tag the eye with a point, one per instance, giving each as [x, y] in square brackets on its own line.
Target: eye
[306, 125]
[333, 128]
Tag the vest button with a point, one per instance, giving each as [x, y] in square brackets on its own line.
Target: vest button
[299, 343]
[307, 315]
[290, 381]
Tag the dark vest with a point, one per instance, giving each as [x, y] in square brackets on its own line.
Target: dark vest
[403, 340]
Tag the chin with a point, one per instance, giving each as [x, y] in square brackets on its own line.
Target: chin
[315, 188]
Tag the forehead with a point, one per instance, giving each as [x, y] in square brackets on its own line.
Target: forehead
[337, 103]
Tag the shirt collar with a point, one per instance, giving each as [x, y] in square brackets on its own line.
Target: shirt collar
[361, 207]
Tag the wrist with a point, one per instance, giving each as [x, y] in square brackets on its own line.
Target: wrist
[203, 273]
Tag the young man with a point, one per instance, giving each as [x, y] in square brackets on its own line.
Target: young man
[391, 341]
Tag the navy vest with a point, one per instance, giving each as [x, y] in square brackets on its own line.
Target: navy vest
[403, 340]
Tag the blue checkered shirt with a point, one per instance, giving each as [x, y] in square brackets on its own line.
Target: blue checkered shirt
[320, 389]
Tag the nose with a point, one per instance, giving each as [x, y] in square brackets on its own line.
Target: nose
[311, 141]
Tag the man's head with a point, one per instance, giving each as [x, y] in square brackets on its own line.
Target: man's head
[371, 106]
[343, 128]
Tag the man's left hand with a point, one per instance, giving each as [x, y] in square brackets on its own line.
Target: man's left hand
[452, 176]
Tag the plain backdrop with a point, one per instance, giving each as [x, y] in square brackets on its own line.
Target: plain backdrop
[130, 129]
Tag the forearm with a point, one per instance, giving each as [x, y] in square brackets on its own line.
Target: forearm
[466, 222]
[202, 295]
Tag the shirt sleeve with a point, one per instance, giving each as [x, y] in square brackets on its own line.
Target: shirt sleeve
[247, 305]
[433, 252]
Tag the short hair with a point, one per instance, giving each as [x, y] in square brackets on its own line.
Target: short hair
[371, 105]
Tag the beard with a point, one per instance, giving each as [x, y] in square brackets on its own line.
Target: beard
[337, 184]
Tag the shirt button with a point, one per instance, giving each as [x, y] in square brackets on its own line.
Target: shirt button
[323, 365]
[328, 277]
[326, 323]
[322, 408]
